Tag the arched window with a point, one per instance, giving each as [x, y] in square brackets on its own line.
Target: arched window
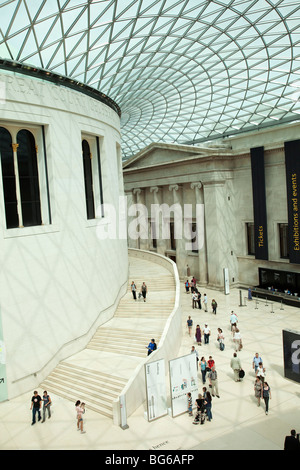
[28, 179]
[88, 180]
[9, 179]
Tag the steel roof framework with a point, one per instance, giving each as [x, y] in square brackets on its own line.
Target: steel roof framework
[181, 71]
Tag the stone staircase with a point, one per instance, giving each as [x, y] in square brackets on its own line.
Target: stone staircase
[98, 374]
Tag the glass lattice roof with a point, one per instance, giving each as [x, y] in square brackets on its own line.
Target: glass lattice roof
[183, 71]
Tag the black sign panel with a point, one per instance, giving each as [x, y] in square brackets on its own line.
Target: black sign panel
[292, 166]
[291, 354]
[259, 203]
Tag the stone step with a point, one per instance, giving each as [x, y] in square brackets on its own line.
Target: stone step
[96, 389]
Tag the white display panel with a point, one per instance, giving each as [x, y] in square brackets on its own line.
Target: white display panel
[226, 281]
[183, 379]
[156, 389]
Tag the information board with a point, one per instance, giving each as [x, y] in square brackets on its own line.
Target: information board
[183, 379]
[156, 389]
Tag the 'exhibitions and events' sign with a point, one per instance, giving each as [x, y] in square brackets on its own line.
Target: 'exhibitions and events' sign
[292, 166]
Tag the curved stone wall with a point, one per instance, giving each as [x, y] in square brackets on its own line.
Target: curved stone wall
[59, 280]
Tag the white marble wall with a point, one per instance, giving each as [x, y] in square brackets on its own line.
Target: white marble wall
[59, 281]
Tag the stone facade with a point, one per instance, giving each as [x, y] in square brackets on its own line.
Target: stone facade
[218, 176]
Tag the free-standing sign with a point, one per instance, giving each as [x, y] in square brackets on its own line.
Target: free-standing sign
[291, 354]
[292, 167]
[183, 379]
[156, 389]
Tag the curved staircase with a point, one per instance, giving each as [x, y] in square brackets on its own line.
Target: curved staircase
[98, 374]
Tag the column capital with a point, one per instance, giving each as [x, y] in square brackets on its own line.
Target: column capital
[137, 191]
[173, 187]
[196, 185]
[154, 189]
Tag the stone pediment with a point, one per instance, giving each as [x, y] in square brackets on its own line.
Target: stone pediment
[155, 154]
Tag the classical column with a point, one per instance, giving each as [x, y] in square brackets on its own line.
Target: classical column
[132, 243]
[17, 179]
[141, 220]
[220, 233]
[201, 238]
[156, 220]
[181, 254]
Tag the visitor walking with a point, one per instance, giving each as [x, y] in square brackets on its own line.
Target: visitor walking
[189, 324]
[236, 366]
[261, 372]
[205, 302]
[266, 394]
[213, 379]
[187, 286]
[203, 367]
[220, 339]
[190, 403]
[237, 339]
[194, 299]
[198, 335]
[208, 406]
[80, 410]
[214, 306]
[206, 333]
[133, 290]
[193, 350]
[258, 390]
[36, 403]
[144, 291]
[199, 300]
[46, 405]
[256, 360]
[233, 319]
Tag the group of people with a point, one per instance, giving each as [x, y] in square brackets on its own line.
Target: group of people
[208, 368]
[261, 387]
[203, 407]
[39, 403]
[44, 403]
[142, 293]
[197, 297]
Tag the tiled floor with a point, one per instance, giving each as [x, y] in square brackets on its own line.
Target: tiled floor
[237, 421]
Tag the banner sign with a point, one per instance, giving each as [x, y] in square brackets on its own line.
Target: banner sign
[259, 203]
[291, 354]
[156, 389]
[183, 379]
[292, 166]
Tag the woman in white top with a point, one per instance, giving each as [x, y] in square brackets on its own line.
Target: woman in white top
[80, 410]
[237, 339]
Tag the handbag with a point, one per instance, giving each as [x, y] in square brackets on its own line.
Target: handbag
[241, 374]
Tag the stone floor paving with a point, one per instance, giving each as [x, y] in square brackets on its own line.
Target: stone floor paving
[238, 423]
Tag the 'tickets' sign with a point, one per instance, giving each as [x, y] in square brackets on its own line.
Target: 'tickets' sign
[292, 166]
[259, 203]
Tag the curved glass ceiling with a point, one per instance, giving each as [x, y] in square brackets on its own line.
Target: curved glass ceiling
[182, 71]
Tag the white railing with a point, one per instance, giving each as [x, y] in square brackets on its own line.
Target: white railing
[134, 393]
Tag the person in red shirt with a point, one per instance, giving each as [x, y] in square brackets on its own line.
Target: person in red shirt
[210, 362]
